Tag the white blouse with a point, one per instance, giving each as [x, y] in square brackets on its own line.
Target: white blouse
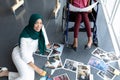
[27, 48]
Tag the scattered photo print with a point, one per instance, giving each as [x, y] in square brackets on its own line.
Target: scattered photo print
[113, 70]
[98, 51]
[105, 56]
[57, 49]
[46, 54]
[83, 72]
[106, 75]
[55, 52]
[97, 64]
[54, 62]
[56, 46]
[61, 77]
[70, 65]
[112, 57]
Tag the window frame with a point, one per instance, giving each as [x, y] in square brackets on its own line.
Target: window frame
[109, 20]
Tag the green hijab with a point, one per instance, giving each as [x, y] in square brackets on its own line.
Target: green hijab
[29, 32]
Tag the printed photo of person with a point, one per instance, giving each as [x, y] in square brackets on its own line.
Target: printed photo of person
[61, 77]
[98, 51]
[55, 52]
[104, 57]
[70, 65]
[54, 62]
[112, 56]
[106, 75]
[46, 53]
[83, 72]
[109, 57]
[55, 46]
[57, 49]
[97, 64]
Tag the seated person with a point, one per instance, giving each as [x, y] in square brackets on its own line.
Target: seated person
[79, 16]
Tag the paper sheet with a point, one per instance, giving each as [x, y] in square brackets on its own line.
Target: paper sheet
[116, 72]
[86, 9]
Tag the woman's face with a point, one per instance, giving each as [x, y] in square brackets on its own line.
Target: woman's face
[38, 25]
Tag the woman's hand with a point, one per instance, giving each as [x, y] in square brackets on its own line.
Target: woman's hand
[37, 69]
[43, 73]
[48, 46]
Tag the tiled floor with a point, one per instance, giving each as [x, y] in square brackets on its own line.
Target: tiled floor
[11, 27]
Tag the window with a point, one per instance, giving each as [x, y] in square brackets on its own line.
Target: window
[116, 25]
[111, 9]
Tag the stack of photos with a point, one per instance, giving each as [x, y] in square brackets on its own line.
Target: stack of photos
[70, 65]
[83, 72]
[53, 57]
[97, 64]
[101, 62]
[54, 62]
[55, 49]
[107, 57]
[61, 77]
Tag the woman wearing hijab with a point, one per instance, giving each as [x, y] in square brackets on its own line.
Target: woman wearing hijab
[32, 38]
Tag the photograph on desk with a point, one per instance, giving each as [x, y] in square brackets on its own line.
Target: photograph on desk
[57, 49]
[62, 77]
[83, 72]
[97, 63]
[54, 62]
[70, 65]
[106, 75]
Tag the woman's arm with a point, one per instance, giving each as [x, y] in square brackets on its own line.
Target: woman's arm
[37, 69]
[26, 55]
